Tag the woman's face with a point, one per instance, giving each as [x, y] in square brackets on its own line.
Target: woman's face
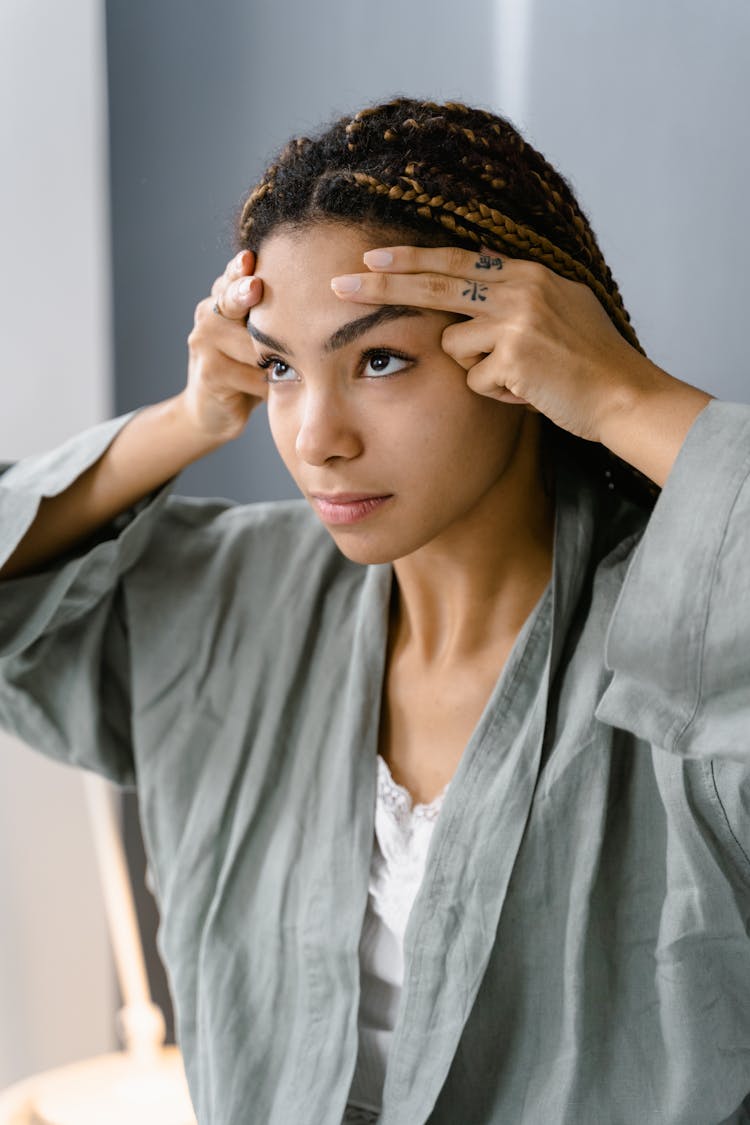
[373, 420]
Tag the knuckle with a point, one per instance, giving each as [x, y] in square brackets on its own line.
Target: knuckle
[535, 269]
[538, 280]
[530, 270]
[382, 284]
[438, 285]
[201, 311]
[234, 298]
[456, 259]
[449, 338]
[536, 301]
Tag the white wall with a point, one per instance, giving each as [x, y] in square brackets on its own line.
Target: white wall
[57, 994]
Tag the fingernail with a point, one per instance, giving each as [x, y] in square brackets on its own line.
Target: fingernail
[378, 258]
[243, 287]
[349, 283]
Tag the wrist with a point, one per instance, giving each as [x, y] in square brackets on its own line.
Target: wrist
[649, 425]
[190, 430]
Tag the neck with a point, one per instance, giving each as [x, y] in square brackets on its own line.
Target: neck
[473, 587]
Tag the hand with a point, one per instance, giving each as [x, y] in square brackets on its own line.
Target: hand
[532, 337]
[224, 382]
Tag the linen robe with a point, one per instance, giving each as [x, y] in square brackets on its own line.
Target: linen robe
[579, 949]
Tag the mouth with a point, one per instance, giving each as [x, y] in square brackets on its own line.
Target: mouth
[347, 507]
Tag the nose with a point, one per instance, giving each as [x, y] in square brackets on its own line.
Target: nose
[327, 429]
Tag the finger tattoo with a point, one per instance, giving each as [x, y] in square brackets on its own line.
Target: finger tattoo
[475, 291]
[487, 262]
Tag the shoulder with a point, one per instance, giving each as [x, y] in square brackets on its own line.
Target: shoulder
[279, 541]
[219, 518]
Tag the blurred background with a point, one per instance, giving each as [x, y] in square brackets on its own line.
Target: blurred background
[129, 132]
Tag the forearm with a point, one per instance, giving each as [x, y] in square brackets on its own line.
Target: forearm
[650, 424]
[154, 446]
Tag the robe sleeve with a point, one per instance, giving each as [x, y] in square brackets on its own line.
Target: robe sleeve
[64, 650]
[678, 641]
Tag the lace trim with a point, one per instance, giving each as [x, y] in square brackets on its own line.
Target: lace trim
[398, 800]
[357, 1115]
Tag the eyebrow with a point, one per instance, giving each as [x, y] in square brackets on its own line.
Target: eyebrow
[344, 335]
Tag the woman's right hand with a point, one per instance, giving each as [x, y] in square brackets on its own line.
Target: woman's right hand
[224, 382]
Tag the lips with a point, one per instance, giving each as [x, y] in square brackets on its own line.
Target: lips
[346, 497]
[347, 507]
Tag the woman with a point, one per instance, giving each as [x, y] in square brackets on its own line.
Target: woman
[489, 676]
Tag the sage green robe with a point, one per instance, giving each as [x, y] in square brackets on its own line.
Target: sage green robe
[579, 950]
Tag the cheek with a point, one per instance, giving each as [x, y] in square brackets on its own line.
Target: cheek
[467, 428]
[282, 421]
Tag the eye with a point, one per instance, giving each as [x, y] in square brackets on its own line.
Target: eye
[382, 364]
[278, 371]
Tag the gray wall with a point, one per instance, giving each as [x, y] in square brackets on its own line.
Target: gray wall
[644, 105]
[200, 96]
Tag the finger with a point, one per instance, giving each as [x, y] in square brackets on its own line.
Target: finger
[486, 379]
[227, 374]
[242, 263]
[222, 334]
[235, 298]
[468, 338]
[237, 267]
[466, 295]
[449, 260]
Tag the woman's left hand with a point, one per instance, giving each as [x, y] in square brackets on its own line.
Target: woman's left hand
[533, 337]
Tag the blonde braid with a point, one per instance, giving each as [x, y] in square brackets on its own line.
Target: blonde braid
[357, 122]
[295, 146]
[599, 273]
[260, 192]
[512, 235]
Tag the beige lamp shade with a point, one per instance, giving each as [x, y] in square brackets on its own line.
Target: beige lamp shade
[115, 1089]
[145, 1083]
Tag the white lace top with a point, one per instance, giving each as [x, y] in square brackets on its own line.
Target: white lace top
[402, 837]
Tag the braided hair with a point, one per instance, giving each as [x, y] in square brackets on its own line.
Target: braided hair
[447, 175]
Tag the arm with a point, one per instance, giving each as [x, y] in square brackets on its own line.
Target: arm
[66, 662]
[678, 642]
[224, 386]
[153, 447]
[650, 425]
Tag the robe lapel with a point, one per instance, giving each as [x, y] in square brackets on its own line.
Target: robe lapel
[338, 866]
[453, 924]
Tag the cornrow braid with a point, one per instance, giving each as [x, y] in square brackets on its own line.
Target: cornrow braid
[294, 148]
[435, 174]
[482, 133]
[508, 234]
[560, 198]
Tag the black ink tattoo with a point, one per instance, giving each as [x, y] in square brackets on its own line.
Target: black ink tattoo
[475, 291]
[485, 262]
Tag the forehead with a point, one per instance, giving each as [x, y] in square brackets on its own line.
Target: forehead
[296, 266]
[302, 257]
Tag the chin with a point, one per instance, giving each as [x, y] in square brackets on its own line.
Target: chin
[372, 550]
[366, 554]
